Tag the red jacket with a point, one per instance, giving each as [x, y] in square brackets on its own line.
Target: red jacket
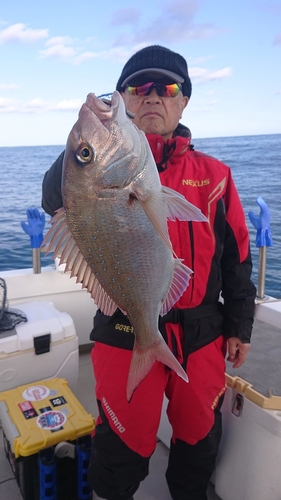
[217, 252]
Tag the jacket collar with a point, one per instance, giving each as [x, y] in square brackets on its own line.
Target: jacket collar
[163, 150]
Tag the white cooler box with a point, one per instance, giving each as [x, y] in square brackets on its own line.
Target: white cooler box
[249, 460]
[46, 346]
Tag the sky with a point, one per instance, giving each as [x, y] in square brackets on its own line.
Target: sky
[53, 53]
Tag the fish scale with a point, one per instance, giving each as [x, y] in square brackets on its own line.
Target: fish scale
[120, 275]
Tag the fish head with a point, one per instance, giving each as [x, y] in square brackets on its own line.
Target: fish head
[103, 149]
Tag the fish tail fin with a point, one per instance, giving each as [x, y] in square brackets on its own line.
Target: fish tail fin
[143, 360]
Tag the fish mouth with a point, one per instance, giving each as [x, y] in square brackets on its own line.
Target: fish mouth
[106, 105]
[106, 98]
[129, 113]
[94, 103]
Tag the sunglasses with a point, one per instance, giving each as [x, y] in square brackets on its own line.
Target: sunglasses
[162, 89]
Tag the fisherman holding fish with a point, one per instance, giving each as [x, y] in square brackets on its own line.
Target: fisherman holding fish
[168, 264]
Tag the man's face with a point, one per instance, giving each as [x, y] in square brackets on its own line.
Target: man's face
[155, 114]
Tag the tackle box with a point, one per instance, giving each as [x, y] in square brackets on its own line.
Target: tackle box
[44, 346]
[47, 438]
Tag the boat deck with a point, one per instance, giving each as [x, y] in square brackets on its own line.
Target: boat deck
[154, 487]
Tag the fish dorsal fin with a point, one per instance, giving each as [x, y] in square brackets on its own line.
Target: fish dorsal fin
[179, 283]
[60, 241]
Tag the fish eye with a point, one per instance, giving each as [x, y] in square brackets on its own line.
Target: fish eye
[85, 153]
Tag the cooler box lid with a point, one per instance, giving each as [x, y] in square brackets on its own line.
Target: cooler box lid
[42, 319]
[272, 402]
[42, 414]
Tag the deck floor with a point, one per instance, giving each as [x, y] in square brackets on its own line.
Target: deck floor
[154, 487]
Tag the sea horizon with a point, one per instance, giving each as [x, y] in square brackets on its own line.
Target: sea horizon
[193, 138]
[254, 160]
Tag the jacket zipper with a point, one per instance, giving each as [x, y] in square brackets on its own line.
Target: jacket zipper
[191, 239]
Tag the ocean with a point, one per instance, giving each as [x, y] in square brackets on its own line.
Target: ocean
[255, 162]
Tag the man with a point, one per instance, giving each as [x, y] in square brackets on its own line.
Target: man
[156, 87]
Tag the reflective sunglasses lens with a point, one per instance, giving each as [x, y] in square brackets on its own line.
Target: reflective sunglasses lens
[140, 89]
[173, 89]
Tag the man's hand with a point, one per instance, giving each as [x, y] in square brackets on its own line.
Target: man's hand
[237, 351]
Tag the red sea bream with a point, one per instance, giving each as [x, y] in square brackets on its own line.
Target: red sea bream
[112, 229]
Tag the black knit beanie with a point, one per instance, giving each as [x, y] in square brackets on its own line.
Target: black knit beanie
[159, 60]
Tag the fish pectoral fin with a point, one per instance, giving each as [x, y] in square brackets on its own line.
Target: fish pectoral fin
[168, 204]
[155, 209]
[143, 360]
[181, 209]
[179, 284]
[60, 241]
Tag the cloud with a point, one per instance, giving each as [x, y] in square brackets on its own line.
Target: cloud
[35, 104]
[58, 47]
[163, 32]
[118, 54]
[20, 33]
[7, 105]
[61, 48]
[8, 86]
[69, 54]
[58, 51]
[202, 75]
[202, 59]
[39, 106]
[85, 56]
[175, 23]
[71, 105]
[130, 15]
[59, 40]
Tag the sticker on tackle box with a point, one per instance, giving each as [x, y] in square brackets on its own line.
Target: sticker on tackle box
[36, 393]
[28, 410]
[58, 401]
[51, 420]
